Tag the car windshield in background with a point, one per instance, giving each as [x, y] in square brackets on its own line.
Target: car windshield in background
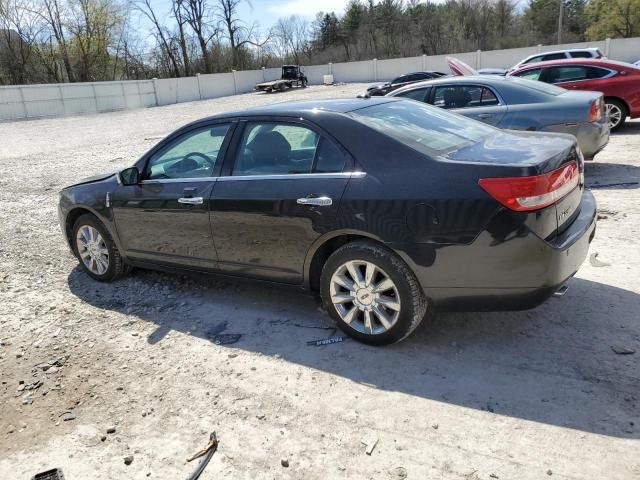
[428, 129]
[539, 86]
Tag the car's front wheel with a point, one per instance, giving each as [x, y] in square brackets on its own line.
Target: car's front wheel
[97, 252]
[617, 113]
[371, 293]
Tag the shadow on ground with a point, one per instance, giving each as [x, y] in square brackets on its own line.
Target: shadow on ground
[555, 364]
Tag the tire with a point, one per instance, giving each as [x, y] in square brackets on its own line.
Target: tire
[304, 82]
[406, 295]
[282, 87]
[112, 265]
[619, 109]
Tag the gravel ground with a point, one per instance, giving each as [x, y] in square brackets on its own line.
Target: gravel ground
[524, 395]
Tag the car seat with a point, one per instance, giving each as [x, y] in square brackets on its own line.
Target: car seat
[268, 150]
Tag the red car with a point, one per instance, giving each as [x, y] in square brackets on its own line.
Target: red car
[618, 81]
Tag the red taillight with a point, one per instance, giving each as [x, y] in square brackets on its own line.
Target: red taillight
[595, 111]
[532, 193]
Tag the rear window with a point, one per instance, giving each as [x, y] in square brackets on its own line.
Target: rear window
[428, 129]
[539, 86]
[581, 54]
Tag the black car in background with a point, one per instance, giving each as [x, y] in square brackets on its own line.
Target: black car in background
[387, 207]
[383, 88]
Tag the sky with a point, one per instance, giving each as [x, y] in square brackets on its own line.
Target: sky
[267, 12]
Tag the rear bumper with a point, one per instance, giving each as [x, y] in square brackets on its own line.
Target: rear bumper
[518, 273]
[592, 136]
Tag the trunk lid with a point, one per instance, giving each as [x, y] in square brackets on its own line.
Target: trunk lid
[519, 155]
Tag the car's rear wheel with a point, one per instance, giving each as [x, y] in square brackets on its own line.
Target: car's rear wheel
[617, 113]
[371, 293]
[97, 252]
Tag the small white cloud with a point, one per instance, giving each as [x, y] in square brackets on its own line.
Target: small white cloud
[306, 8]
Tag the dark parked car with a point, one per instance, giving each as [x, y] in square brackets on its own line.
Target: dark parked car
[619, 82]
[519, 104]
[386, 206]
[383, 88]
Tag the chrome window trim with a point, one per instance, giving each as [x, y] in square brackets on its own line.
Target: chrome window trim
[290, 176]
[301, 176]
[179, 180]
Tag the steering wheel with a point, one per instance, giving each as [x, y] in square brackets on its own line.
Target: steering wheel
[198, 154]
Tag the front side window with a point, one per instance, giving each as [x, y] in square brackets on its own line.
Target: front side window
[276, 148]
[535, 59]
[192, 155]
[464, 96]
[553, 56]
[429, 130]
[532, 74]
[401, 79]
[418, 94]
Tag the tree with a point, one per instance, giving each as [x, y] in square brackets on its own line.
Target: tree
[613, 18]
[236, 31]
[144, 6]
[196, 13]
[543, 16]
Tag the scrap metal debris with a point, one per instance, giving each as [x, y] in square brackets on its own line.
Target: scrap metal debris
[622, 350]
[226, 338]
[370, 443]
[207, 452]
[53, 474]
[325, 341]
[593, 260]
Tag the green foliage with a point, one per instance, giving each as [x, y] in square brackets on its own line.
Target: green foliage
[613, 19]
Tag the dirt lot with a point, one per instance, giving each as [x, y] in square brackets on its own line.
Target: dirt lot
[527, 395]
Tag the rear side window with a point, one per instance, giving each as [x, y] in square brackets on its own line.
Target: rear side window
[417, 94]
[581, 54]
[329, 158]
[280, 148]
[566, 74]
[273, 148]
[532, 74]
[463, 96]
[429, 130]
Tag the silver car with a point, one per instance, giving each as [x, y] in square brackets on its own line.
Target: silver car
[519, 104]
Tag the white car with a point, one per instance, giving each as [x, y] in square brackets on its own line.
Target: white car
[561, 54]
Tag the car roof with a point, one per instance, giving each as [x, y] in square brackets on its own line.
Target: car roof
[483, 79]
[585, 49]
[596, 62]
[298, 108]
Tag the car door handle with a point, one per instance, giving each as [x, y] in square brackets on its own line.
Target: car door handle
[486, 115]
[316, 201]
[191, 200]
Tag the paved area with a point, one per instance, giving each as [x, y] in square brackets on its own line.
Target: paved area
[547, 393]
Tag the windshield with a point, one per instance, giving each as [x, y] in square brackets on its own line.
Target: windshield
[428, 129]
[539, 86]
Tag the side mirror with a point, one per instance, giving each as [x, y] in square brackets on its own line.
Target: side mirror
[130, 176]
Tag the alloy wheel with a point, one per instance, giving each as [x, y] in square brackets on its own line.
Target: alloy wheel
[92, 249]
[365, 297]
[615, 115]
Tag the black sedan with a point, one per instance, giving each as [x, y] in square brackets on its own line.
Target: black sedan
[382, 88]
[387, 207]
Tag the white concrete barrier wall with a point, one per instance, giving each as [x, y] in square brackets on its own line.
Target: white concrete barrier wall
[389, 69]
[34, 101]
